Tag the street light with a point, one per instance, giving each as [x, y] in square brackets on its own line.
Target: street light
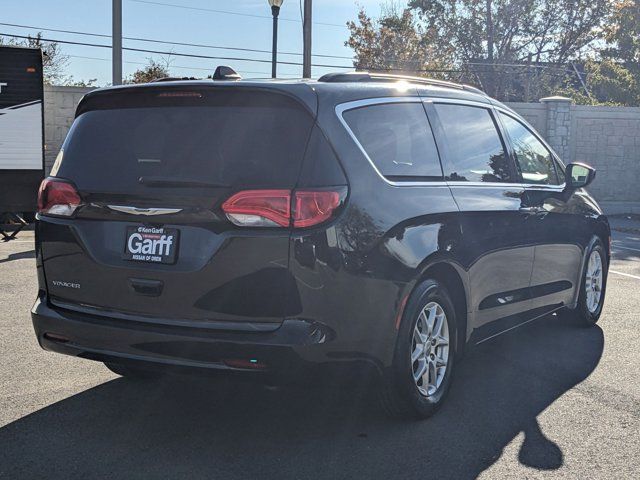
[275, 11]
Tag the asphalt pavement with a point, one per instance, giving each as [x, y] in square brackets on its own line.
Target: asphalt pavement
[548, 400]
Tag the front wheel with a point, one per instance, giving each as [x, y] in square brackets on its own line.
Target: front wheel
[417, 383]
[592, 288]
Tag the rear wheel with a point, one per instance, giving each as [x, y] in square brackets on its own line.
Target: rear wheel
[592, 289]
[419, 379]
[129, 371]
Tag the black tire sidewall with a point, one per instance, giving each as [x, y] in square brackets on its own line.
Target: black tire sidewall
[427, 291]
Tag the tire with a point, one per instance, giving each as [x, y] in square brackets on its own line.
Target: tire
[132, 372]
[400, 394]
[585, 314]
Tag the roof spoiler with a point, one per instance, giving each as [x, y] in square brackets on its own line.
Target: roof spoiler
[222, 72]
[346, 77]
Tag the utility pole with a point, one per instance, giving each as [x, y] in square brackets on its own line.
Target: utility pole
[116, 45]
[306, 28]
[490, 46]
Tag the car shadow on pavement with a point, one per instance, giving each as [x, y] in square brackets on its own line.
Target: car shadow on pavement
[192, 428]
[18, 256]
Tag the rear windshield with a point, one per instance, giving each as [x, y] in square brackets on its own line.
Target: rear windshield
[258, 141]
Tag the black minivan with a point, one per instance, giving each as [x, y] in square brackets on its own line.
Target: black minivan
[271, 228]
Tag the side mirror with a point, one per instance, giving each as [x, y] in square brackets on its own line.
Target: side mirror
[579, 175]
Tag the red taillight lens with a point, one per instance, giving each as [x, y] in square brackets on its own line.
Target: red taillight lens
[259, 208]
[57, 197]
[314, 207]
[272, 208]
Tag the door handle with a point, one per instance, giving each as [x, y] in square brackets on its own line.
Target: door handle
[148, 288]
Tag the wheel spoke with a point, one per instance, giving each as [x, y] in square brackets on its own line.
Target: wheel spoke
[431, 319]
[420, 371]
[419, 336]
[418, 351]
[433, 378]
[437, 327]
[439, 362]
[441, 341]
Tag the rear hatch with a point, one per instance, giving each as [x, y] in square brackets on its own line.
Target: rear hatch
[152, 168]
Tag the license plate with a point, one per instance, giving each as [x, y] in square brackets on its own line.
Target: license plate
[151, 244]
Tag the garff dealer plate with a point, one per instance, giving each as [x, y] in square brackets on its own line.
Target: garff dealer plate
[151, 244]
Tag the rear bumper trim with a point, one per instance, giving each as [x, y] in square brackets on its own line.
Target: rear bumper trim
[94, 311]
[103, 338]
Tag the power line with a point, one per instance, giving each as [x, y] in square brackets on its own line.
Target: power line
[486, 66]
[167, 42]
[173, 53]
[184, 67]
[227, 12]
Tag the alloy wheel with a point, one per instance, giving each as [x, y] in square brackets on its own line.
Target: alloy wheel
[430, 349]
[593, 281]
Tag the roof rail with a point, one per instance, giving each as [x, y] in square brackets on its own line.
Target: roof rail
[344, 77]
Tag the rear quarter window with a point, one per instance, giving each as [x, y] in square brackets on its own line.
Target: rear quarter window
[398, 140]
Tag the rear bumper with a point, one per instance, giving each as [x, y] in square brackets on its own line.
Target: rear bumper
[295, 347]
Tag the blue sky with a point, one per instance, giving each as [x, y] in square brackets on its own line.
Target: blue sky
[195, 24]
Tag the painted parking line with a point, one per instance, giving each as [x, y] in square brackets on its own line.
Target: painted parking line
[615, 246]
[625, 274]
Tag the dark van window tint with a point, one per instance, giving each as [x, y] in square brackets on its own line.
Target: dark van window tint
[238, 145]
[476, 153]
[398, 139]
[535, 161]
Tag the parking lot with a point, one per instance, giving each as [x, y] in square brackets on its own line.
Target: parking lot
[547, 400]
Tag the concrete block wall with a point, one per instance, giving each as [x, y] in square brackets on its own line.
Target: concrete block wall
[607, 138]
[59, 109]
[534, 113]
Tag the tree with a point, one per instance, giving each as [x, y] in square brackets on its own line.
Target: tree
[549, 30]
[394, 42]
[493, 33]
[513, 49]
[615, 77]
[152, 71]
[623, 33]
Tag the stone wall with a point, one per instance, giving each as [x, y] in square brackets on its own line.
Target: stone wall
[59, 109]
[606, 137]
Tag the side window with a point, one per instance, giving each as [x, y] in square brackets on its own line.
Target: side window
[398, 140]
[475, 151]
[534, 160]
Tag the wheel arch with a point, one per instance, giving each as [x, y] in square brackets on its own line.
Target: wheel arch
[585, 258]
[603, 231]
[451, 276]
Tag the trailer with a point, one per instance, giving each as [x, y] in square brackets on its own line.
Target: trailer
[21, 136]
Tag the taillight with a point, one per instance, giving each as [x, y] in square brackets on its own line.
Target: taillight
[282, 208]
[314, 207]
[259, 208]
[57, 197]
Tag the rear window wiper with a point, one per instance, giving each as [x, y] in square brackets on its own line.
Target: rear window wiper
[175, 182]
